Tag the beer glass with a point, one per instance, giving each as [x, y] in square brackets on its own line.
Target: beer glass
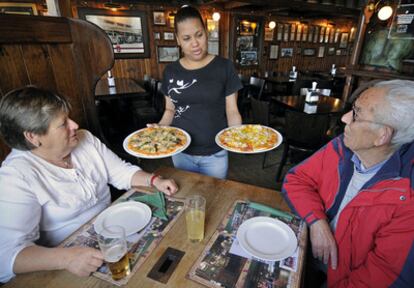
[195, 207]
[113, 245]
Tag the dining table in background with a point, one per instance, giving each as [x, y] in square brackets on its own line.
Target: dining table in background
[124, 88]
[220, 196]
[325, 104]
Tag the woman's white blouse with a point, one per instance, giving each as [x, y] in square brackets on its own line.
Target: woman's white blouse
[43, 204]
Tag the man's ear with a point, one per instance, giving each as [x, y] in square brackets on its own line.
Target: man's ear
[32, 138]
[385, 136]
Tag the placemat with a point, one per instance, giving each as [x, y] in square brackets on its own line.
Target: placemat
[217, 267]
[140, 245]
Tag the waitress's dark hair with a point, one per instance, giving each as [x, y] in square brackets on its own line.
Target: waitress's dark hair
[187, 12]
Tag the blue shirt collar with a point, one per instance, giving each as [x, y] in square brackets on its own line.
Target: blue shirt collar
[361, 169]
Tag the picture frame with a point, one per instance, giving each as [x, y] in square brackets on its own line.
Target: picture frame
[322, 34]
[338, 52]
[166, 54]
[279, 36]
[159, 18]
[293, 32]
[18, 8]
[268, 35]
[274, 52]
[127, 30]
[344, 40]
[169, 36]
[286, 52]
[305, 33]
[286, 32]
[309, 52]
[321, 51]
[331, 51]
[157, 36]
[316, 34]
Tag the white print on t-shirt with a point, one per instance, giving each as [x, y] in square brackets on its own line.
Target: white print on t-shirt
[180, 86]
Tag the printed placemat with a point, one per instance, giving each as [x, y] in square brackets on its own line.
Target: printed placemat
[140, 245]
[218, 267]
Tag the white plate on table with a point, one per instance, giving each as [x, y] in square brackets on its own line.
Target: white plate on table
[131, 215]
[267, 238]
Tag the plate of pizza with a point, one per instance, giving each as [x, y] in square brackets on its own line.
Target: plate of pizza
[156, 142]
[249, 138]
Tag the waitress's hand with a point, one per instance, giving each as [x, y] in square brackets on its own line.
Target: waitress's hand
[153, 125]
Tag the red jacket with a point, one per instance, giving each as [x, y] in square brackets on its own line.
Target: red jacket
[375, 231]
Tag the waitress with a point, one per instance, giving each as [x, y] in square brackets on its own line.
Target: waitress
[201, 92]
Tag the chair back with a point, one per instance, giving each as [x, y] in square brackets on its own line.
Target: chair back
[159, 99]
[307, 131]
[65, 55]
[256, 86]
[260, 111]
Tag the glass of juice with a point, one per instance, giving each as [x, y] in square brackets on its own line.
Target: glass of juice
[113, 245]
[195, 209]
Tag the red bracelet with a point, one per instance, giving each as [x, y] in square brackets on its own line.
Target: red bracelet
[153, 179]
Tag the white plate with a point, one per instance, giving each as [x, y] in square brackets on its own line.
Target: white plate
[279, 141]
[133, 153]
[267, 238]
[131, 215]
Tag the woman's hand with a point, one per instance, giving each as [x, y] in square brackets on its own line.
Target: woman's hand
[82, 261]
[153, 125]
[167, 186]
[323, 243]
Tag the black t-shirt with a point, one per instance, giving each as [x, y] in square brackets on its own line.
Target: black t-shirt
[199, 98]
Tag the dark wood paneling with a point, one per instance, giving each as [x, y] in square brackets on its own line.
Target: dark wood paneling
[12, 68]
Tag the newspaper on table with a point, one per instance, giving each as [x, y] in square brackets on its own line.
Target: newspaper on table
[140, 245]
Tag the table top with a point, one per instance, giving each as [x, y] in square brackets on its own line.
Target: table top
[220, 196]
[124, 87]
[325, 105]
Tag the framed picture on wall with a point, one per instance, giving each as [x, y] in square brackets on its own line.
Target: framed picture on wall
[316, 34]
[286, 33]
[18, 8]
[167, 54]
[279, 32]
[274, 51]
[331, 51]
[127, 30]
[268, 35]
[321, 51]
[157, 36]
[159, 17]
[309, 51]
[286, 52]
[344, 40]
[292, 32]
[168, 36]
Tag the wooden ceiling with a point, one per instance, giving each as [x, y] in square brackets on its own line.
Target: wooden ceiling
[291, 8]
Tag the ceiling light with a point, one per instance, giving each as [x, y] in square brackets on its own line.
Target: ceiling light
[272, 25]
[385, 13]
[216, 16]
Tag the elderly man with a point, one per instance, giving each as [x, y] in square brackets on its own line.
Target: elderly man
[357, 192]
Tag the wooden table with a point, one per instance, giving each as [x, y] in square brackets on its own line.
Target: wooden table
[220, 195]
[124, 88]
[325, 105]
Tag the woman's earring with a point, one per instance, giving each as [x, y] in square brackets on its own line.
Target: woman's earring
[40, 144]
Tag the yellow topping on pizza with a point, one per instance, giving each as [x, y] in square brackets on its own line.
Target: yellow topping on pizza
[248, 138]
[157, 141]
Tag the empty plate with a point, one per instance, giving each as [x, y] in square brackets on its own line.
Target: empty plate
[267, 238]
[131, 215]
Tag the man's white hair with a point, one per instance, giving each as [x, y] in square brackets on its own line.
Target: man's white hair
[398, 111]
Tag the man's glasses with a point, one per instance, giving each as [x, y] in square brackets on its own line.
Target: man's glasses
[355, 116]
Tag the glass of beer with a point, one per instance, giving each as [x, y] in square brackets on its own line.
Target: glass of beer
[195, 207]
[114, 249]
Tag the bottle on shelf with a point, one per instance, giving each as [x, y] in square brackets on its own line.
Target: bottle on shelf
[333, 70]
[293, 74]
[111, 79]
[312, 95]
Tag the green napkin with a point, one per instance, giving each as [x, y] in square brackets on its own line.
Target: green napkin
[271, 210]
[156, 200]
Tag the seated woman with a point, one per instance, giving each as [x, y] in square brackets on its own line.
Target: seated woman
[54, 180]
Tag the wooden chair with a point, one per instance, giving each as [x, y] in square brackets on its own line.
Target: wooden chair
[304, 134]
[65, 55]
[253, 89]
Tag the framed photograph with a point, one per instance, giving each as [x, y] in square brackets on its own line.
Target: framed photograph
[157, 35]
[331, 51]
[279, 32]
[127, 30]
[171, 19]
[159, 17]
[336, 37]
[18, 8]
[268, 35]
[338, 52]
[305, 33]
[310, 33]
[316, 35]
[292, 32]
[274, 51]
[299, 32]
[309, 51]
[322, 35]
[321, 51]
[168, 36]
[286, 52]
[344, 40]
[167, 54]
[286, 33]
